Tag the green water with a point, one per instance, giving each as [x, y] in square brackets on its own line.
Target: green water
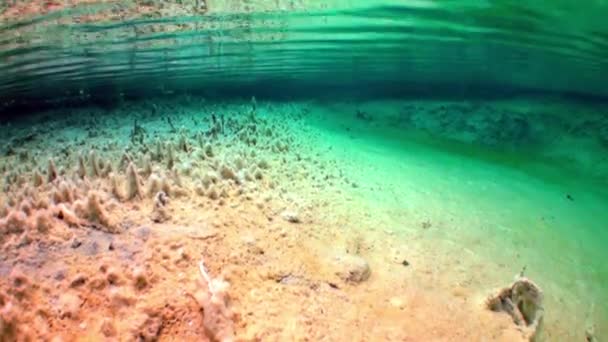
[488, 117]
[447, 47]
[509, 210]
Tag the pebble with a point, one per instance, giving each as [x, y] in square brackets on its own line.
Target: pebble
[397, 302]
[290, 216]
[352, 268]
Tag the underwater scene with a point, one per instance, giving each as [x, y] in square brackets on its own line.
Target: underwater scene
[299, 170]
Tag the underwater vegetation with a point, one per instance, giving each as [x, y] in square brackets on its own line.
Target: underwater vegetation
[82, 202]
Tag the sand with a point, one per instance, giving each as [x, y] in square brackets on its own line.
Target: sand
[192, 220]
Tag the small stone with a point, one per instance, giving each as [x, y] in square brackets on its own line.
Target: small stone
[78, 281]
[290, 216]
[76, 243]
[59, 275]
[351, 268]
[590, 335]
[183, 255]
[397, 303]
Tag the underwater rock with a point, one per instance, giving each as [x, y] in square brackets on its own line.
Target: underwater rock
[351, 268]
[590, 334]
[290, 216]
[523, 301]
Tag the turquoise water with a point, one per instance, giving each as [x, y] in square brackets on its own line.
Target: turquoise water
[470, 135]
[446, 48]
